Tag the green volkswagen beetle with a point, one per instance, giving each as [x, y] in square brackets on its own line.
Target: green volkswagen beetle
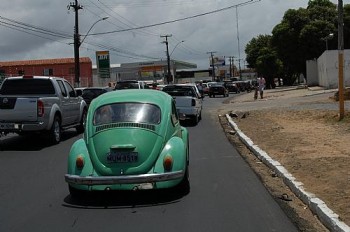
[133, 140]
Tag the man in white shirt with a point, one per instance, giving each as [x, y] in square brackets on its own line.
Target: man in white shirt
[261, 83]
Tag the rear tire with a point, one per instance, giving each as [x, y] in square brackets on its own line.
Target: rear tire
[184, 186]
[55, 131]
[195, 119]
[81, 127]
[75, 193]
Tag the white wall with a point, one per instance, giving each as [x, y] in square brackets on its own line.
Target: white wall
[311, 73]
[328, 70]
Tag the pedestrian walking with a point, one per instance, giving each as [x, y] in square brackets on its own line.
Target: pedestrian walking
[261, 86]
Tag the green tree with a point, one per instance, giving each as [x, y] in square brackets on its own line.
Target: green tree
[263, 58]
[254, 47]
[269, 66]
[301, 36]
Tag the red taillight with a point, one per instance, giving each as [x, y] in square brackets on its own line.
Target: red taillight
[79, 162]
[193, 102]
[40, 106]
[168, 163]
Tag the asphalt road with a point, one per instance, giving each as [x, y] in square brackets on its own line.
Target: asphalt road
[225, 193]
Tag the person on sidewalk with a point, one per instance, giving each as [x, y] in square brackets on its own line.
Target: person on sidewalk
[261, 84]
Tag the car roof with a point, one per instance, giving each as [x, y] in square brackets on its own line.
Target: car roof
[33, 77]
[134, 95]
[128, 81]
[97, 88]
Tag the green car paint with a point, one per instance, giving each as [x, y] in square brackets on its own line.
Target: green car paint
[126, 155]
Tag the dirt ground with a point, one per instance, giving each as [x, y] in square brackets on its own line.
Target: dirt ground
[312, 144]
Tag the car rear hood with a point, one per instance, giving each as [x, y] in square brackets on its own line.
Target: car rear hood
[124, 151]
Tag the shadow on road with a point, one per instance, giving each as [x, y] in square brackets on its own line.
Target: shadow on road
[123, 199]
[33, 142]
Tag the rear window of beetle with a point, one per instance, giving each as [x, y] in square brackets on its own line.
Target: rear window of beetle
[127, 112]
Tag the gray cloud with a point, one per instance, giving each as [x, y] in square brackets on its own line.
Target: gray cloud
[214, 32]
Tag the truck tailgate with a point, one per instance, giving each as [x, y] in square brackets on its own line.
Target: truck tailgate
[18, 109]
[183, 101]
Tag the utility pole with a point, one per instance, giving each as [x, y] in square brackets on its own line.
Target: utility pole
[231, 65]
[169, 79]
[77, 43]
[239, 47]
[212, 64]
[341, 59]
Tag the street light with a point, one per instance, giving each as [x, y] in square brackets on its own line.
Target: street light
[104, 18]
[176, 46]
[328, 37]
[77, 44]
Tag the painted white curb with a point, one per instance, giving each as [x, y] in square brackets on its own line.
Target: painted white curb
[326, 215]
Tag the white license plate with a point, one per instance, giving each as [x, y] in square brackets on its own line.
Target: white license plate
[9, 126]
[122, 157]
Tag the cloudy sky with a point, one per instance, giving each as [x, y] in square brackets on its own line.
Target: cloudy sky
[42, 29]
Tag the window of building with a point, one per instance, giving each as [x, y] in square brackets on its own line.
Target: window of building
[48, 71]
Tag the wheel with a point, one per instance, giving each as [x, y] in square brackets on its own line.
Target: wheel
[184, 186]
[75, 193]
[81, 127]
[55, 131]
[195, 119]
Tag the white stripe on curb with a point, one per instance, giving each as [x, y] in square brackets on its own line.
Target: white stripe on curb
[326, 215]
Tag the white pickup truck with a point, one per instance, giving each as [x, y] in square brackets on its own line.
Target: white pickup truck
[188, 100]
[32, 104]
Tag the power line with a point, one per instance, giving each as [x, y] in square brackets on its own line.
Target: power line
[25, 26]
[178, 20]
[125, 19]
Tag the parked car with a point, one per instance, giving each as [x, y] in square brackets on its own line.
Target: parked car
[79, 90]
[218, 89]
[232, 87]
[188, 100]
[205, 88]
[130, 84]
[133, 141]
[91, 93]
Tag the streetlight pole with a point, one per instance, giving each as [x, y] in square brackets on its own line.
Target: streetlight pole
[239, 47]
[77, 41]
[176, 46]
[168, 57]
[328, 37]
[341, 60]
[101, 19]
[76, 8]
[212, 64]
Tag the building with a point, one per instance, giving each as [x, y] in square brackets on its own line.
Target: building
[62, 67]
[149, 71]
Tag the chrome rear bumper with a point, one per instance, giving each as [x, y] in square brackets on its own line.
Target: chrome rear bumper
[130, 179]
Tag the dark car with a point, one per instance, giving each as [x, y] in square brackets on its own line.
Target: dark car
[232, 87]
[130, 84]
[91, 93]
[218, 90]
